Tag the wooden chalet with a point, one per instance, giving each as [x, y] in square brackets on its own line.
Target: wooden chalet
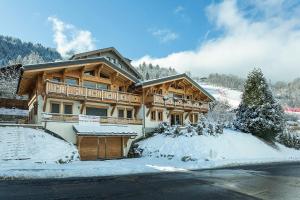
[102, 89]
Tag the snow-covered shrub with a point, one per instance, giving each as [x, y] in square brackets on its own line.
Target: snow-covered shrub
[187, 158]
[210, 129]
[199, 128]
[162, 127]
[189, 128]
[289, 140]
[219, 128]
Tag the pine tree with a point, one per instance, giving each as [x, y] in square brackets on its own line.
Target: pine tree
[259, 113]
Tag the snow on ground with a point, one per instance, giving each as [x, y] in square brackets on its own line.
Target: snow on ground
[13, 111]
[231, 148]
[233, 97]
[231, 145]
[33, 145]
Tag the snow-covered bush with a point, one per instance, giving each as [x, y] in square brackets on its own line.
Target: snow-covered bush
[204, 127]
[289, 140]
[162, 127]
[219, 128]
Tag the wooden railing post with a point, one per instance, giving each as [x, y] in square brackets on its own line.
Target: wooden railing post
[67, 90]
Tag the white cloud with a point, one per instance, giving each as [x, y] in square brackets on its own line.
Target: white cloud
[178, 9]
[69, 39]
[270, 41]
[164, 35]
[181, 13]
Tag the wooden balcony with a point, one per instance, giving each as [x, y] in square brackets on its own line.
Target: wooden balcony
[56, 117]
[82, 93]
[170, 102]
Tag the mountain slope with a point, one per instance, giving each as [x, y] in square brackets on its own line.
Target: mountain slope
[13, 50]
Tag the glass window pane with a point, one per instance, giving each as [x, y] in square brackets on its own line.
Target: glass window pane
[68, 109]
[56, 79]
[90, 84]
[96, 111]
[71, 81]
[121, 113]
[129, 114]
[102, 86]
[54, 108]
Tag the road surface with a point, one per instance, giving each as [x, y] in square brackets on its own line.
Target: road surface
[267, 181]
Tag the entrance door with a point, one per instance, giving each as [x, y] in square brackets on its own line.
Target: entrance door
[177, 119]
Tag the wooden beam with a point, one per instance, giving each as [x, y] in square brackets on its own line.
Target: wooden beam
[83, 105]
[98, 70]
[136, 110]
[45, 103]
[113, 109]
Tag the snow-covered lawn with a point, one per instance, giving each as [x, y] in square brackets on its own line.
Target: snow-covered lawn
[161, 153]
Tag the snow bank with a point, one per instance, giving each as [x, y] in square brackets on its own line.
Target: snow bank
[33, 145]
[231, 145]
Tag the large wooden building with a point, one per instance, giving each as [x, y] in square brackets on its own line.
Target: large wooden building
[101, 90]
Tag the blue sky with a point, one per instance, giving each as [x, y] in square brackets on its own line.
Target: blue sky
[230, 36]
[134, 27]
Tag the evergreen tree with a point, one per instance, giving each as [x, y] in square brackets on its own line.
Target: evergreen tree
[259, 113]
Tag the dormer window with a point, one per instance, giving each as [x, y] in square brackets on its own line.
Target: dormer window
[89, 73]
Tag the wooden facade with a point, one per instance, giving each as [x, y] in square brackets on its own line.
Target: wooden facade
[111, 88]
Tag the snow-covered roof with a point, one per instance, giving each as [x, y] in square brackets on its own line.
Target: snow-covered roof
[103, 130]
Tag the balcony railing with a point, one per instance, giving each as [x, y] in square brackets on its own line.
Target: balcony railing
[159, 100]
[90, 93]
[56, 117]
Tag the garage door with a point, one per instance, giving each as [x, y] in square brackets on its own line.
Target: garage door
[113, 147]
[93, 148]
[88, 148]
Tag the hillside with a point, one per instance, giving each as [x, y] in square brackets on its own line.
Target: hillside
[14, 50]
[34, 145]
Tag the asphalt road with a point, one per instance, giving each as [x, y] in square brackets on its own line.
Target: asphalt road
[268, 181]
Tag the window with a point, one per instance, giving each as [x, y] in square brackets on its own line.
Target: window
[94, 85]
[102, 75]
[160, 115]
[89, 73]
[56, 79]
[89, 84]
[121, 113]
[189, 97]
[71, 81]
[122, 89]
[102, 86]
[179, 96]
[160, 91]
[96, 111]
[129, 114]
[193, 118]
[68, 109]
[55, 108]
[153, 115]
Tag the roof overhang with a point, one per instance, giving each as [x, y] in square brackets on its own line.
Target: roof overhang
[89, 129]
[52, 66]
[109, 49]
[150, 83]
